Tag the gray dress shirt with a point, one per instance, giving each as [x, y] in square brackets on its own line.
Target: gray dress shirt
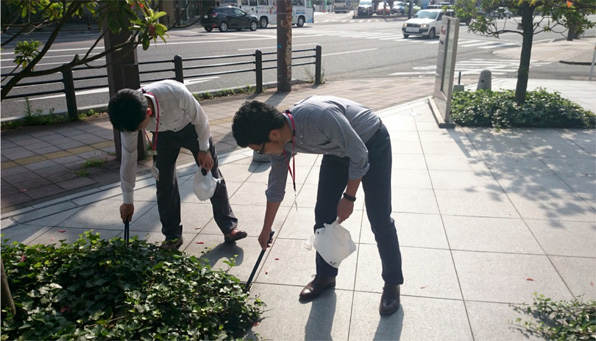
[325, 125]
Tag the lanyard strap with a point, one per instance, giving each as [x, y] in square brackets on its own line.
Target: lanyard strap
[154, 147]
[293, 169]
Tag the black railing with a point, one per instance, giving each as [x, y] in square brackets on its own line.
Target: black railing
[179, 69]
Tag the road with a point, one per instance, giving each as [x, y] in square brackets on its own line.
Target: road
[352, 48]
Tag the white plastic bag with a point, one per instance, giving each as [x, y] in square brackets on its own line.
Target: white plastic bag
[333, 242]
[204, 185]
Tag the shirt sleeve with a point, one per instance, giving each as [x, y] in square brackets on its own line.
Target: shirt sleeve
[198, 118]
[128, 165]
[338, 131]
[278, 175]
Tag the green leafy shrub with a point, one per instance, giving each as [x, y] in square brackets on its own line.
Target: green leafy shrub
[562, 320]
[104, 289]
[541, 109]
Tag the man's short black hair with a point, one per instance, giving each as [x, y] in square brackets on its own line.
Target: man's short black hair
[127, 109]
[254, 121]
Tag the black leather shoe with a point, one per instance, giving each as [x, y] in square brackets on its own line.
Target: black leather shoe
[172, 244]
[389, 300]
[313, 289]
[234, 235]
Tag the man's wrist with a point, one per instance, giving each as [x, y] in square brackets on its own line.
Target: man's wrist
[349, 197]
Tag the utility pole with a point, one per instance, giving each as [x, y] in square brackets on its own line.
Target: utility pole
[284, 45]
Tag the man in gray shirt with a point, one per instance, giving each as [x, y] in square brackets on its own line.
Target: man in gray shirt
[356, 148]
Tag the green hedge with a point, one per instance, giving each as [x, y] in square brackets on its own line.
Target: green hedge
[542, 109]
[103, 289]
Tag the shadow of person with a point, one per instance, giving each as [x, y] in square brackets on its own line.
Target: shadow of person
[224, 250]
[320, 319]
[390, 327]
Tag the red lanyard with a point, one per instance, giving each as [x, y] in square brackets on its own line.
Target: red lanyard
[154, 147]
[292, 172]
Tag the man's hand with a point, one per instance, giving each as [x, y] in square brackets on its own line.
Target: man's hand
[126, 212]
[264, 238]
[344, 210]
[205, 160]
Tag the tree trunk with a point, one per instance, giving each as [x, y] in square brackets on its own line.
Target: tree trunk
[526, 51]
[284, 45]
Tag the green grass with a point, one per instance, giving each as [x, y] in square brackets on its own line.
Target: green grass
[94, 162]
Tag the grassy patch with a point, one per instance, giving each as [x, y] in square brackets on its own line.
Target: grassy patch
[82, 173]
[94, 162]
[223, 93]
[34, 117]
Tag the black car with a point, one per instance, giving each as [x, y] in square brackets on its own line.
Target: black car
[228, 17]
[365, 8]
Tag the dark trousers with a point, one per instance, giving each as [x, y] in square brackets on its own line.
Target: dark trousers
[168, 196]
[333, 178]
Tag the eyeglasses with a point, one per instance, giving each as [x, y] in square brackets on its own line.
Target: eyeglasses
[262, 150]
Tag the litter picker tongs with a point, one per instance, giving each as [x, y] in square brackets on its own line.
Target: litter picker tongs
[254, 270]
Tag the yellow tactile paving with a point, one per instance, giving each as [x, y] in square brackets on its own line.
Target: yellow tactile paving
[30, 159]
[81, 149]
[100, 145]
[8, 164]
[55, 155]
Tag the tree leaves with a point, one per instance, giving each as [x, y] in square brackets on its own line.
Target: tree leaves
[133, 16]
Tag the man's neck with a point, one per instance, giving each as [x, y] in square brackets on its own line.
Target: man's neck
[287, 132]
[150, 105]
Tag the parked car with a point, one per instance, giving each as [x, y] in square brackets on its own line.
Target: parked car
[501, 13]
[365, 8]
[227, 17]
[341, 6]
[383, 8]
[398, 8]
[426, 23]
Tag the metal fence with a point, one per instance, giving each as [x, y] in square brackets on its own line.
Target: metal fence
[80, 79]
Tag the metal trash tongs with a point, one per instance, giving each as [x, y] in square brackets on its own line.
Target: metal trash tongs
[126, 232]
[254, 270]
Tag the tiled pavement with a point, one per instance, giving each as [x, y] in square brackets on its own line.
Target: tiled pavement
[485, 220]
[41, 163]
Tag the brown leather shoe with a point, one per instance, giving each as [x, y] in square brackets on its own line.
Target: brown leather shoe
[235, 235]
[313, 289]
[389, 300]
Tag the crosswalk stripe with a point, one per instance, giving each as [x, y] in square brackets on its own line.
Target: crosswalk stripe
[397, 36]
[494, 46]
[476, 44]
[466, 42]
[473, 67]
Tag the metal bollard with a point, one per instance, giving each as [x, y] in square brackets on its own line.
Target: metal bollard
[458, 86]
[484, 82]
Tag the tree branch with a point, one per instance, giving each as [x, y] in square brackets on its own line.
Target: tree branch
[25, 27]
[14, 80]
